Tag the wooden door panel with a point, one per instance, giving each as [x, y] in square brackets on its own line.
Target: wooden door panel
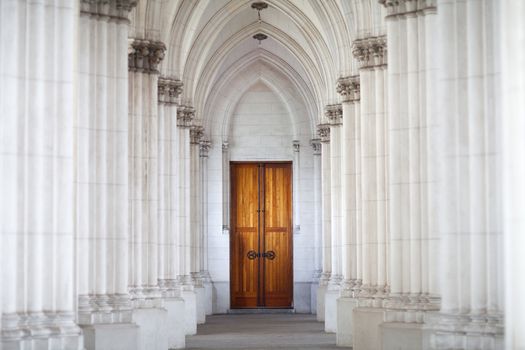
[278, 288]
[245, 235]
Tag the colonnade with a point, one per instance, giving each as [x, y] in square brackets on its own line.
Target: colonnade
[422, 231]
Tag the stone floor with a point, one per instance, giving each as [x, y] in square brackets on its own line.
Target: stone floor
[266, 331]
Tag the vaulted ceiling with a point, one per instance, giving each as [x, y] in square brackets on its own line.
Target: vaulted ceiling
[210, 46]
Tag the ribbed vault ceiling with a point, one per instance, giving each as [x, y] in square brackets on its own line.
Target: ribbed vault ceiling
[210, 45]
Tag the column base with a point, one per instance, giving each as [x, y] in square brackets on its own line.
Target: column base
[208, 292]
[200, 293]
[330, 308]
[153, 331]
[405, 336]
[321, 296]
[175, 323]
[365, 328]
[345, 308]
[190, 311]
[39, 331]
[103, 336]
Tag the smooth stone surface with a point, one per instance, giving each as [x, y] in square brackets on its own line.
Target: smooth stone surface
[269, 331]
[102, 336]
[330, 311]
[301, 297]
[404, 336]
[221, 297]
[345, 308]
[153, 330]
[314, 286]
[208, 291]
[190, 311]
[200, 293]
[321, 294]
[365, 328]
[176, 326]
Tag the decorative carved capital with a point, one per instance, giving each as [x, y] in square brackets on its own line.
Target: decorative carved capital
[185, 116]
[205, 146]
[196, 133]
[324, 132]
[349, 88]
[169, 90]
[118, 9]
[145, 56]
[370, 52]
[404, 7]
[316, 146]
[296, 145]
[334, 113]
[225, 146]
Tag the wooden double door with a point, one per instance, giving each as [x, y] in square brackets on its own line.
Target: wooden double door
[261, 270]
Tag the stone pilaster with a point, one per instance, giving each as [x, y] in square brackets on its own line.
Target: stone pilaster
[296, 146]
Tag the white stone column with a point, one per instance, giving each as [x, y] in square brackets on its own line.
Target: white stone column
[148, 313]
[413, 240]
[102, 192]
[38, 104]
[196, 133]
[318, 253]
[348, 87]
[513, 127]
[324, 133]
[185, 116]
[205, 274]
[469, 184]
[169, 269]
[334, 115]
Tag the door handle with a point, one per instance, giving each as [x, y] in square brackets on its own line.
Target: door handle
[252, 254]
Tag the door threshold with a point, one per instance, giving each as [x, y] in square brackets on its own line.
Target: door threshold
[260, 311]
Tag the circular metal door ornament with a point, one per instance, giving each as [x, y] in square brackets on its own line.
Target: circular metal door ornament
[252, 254]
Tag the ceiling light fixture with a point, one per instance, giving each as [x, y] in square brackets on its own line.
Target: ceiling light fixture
[259, 6]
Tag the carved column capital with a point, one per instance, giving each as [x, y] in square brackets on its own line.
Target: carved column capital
[118, 9]
[185, 116]
[145, 55]
[334, 113]
[324, 132]
[196, 134]
[205, 146]
[169, 90]
[405, 7]
[296, 145]
[316, 146]
[370, 52]
[225, 146]
[349, 88]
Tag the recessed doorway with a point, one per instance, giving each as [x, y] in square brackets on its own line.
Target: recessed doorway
[261, 252]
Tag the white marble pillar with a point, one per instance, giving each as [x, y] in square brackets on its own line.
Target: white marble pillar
[371, 55]
[413, 240]
[318, 253]
[469, 186]
[102, 193]
[334, 114]
[148, 313]
[196, 134]
[169, 235]
[185, 116]
[38, 103]
[205, 273]
[349, 89]
[513, 136]
[324, 133]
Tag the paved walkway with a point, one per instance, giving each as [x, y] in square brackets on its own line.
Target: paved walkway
[266, 331]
